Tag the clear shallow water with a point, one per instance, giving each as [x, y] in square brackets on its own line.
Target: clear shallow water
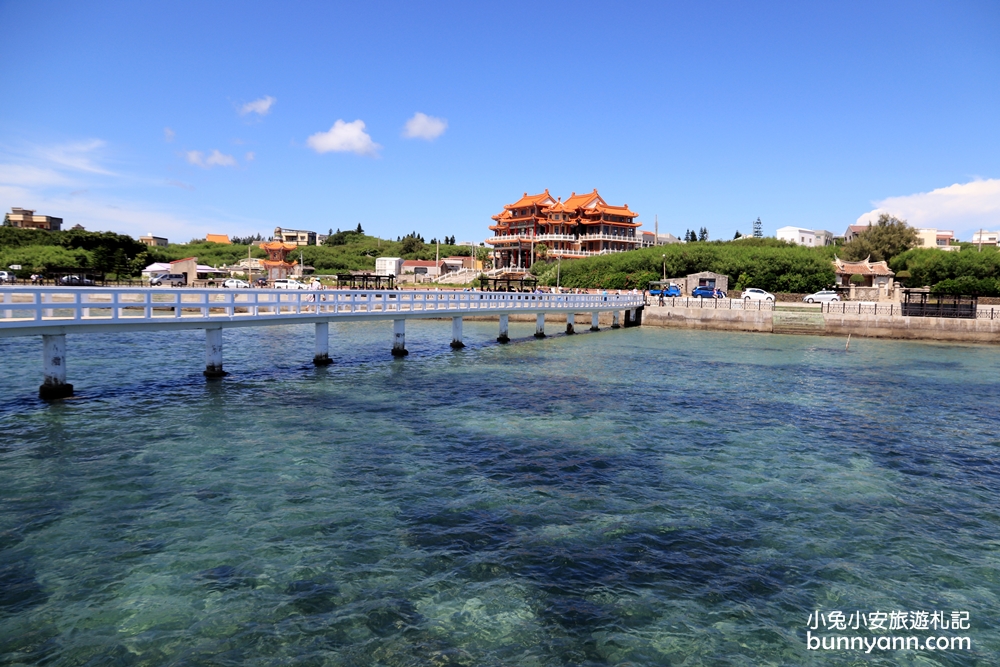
[638, 497]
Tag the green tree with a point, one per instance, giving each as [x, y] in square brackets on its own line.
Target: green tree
[882, 241]
[541, 252]
[483, 254]
[359, 230]
[411, 245]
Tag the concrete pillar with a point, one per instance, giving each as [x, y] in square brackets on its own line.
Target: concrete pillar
[595, 322]
[399, 338]
[322, 356]
[614, 320]
[456, 333]
[213, 354]
[569, 324]
[54, 364]
[540, 325]
[503, 337]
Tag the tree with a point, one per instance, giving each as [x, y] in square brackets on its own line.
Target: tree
[541, 251]
[483, 255]
[882, 241]
[758, 230]
[411, 245]
[737, 235]
[857, 279]
[703, 234]
[6, 220]
[359, 230]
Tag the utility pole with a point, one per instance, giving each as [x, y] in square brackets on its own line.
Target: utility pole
[656, 230]
[980, 239]
[558, 269]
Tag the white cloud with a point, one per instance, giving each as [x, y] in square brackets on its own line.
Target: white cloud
[344, 138]
[168, 134]
[962, 207]
[261, 107]
[213, 159]
[76, 156]
[249, 156]
[20, 174]
[422, 126]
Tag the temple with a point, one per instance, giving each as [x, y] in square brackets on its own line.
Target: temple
[276, 265]
[582, 225]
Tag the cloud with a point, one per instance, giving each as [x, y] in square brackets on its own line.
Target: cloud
[261, 107]
[168, 135]
[180, 184]
[344, 138]
[422, 126]
[19, 174]
[249, 156]
[213, 159]
[961, 207]
[75, 156]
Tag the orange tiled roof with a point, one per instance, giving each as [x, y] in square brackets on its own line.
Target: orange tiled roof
[277, 245]
[218, 238]
[530, 200]
[616, 210]
[576, 201]
[865, 268]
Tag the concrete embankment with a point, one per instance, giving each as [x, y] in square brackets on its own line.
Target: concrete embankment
[815, 322]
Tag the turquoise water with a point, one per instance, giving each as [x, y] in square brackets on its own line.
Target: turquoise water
[631, 497]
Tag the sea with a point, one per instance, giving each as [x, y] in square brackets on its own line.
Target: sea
[627, 497]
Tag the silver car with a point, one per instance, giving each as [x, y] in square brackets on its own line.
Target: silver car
[236, 283]
[822, 296]
[756, 294]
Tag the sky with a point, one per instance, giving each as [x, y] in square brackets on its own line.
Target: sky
[186, 118]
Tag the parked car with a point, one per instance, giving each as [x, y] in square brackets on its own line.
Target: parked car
[288, 283]
[76, 280]
[756, 294]
[172, 279]
[667, 289]
[707, 292]
[6, 277]
[822, 296]
[236, 283]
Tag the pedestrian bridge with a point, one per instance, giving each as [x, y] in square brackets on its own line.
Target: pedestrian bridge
[53, 312]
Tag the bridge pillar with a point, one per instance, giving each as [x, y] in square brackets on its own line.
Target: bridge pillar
[504, 326]
[456, 333]
[595, 322]
[540, 325]
[54, 363]
[322, 356]
[569, 324]
[213, 354]
[399, 338]
[614, 320]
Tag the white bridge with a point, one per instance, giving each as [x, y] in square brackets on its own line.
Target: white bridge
[53, 312]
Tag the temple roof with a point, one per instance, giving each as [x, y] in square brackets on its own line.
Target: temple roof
[277, 245]
[616, 210]
[543, 199]
[575, 201]
[865, 268]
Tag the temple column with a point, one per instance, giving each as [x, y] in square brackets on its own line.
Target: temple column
[614, 320]
[540, 325]
[322, 356]
[399, 338]
[456, 333]
[54, 386]
[213, 354]
[503, 337]
[569, 324]
[595, 322]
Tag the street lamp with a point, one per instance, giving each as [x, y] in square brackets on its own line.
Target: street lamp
[664, 267]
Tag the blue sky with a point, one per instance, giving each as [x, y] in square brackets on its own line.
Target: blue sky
[187, 118]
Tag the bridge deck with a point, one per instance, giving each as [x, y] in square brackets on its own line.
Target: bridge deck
[26, 311]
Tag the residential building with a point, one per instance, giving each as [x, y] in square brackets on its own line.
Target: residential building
[928, 237]
[580, 226]
[423, 267]
[218, 238]
[154, 241]
[650, 239]
[806, 237]
[875, 274]
[986, 238]
[705, 279]
[853, 231]
[295, 236]
[26, 219]
[388, 266]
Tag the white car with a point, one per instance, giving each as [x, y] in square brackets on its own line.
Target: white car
[755, 294]
[236, 283]
[822, 296]
[288, 283]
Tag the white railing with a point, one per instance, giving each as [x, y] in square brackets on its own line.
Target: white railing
[620, 238]
[710, 303]
[34, 307]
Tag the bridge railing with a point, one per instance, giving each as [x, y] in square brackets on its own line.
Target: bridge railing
[66, 305]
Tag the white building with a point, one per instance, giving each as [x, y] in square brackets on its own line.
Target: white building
[986, 238]
[928, 237]
[388, 266]
[806, 237]
[296, 236]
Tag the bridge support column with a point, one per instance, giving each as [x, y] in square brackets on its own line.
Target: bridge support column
[322, 356]
[614, 320]
[569, 324]
[213, 354]
[54, 386]
[456, 333]
[540, 325]
[399, 338]
[595, 322]
[504, 326]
